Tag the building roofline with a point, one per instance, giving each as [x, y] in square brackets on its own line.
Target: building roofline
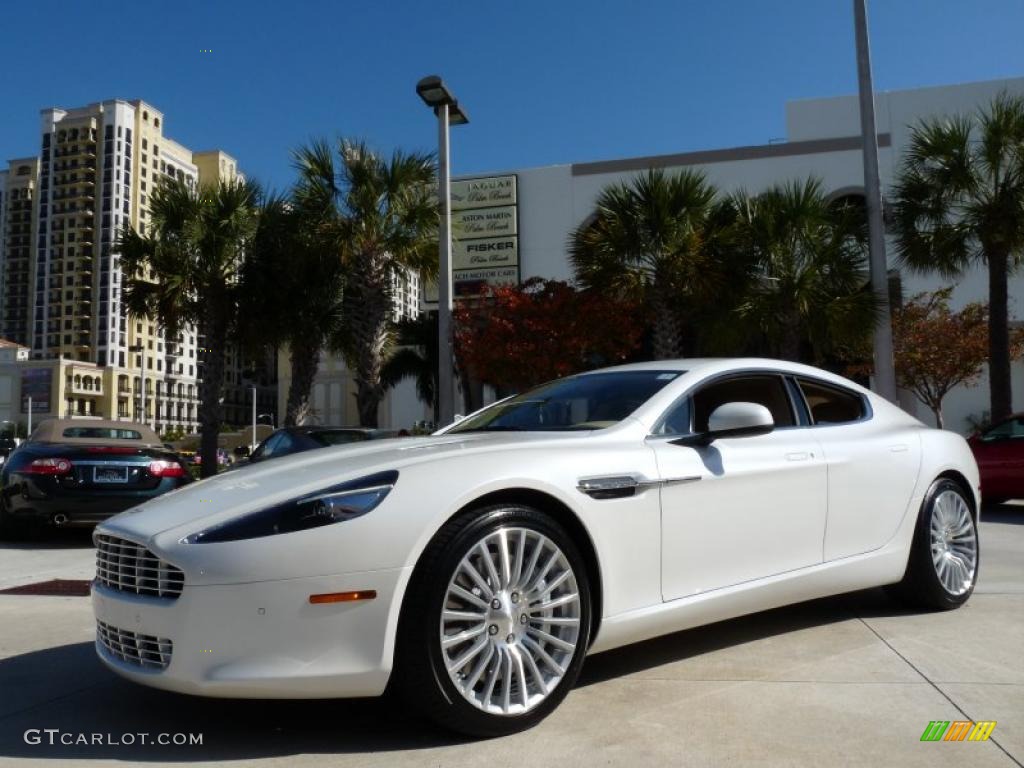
[965, 84]
[708, 156]
[214, 152]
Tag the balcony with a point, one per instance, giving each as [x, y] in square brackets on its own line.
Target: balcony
[80, 388]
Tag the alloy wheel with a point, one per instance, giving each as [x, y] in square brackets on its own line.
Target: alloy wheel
[954, 542]
[510, 623]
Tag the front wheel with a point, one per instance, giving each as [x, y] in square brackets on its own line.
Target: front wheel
[943, 564]
[496, 622]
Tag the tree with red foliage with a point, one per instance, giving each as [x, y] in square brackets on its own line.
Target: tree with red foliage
[516, 336]
[937, 349]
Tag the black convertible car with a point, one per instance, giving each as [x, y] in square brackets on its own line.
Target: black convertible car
[290, 440]
[75, 472]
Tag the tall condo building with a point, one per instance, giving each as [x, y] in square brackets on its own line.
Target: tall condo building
[62, 289]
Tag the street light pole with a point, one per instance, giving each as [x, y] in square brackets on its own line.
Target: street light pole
[445, 400]
[437, 96]
[252, 444]
[885, 373]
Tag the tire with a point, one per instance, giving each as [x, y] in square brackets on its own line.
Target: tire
[10, 529]
[516, 660]
[943, 565]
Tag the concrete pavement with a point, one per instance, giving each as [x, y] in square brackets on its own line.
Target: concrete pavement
[850, 680]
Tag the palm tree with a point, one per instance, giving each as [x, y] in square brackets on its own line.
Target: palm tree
[809, 293]
[292, 283]
[653, 238]
[415, 357]
[958, 200]
[385, 210]
[194, 247]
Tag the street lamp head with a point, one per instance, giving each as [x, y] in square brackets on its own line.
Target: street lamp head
[435, 94]
[456, 114]
[433, 91]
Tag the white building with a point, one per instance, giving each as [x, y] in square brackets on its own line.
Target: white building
[823, 140]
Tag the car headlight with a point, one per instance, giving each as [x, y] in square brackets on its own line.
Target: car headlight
[331, 505]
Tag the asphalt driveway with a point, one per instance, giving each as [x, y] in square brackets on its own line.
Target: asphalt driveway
[850, 680]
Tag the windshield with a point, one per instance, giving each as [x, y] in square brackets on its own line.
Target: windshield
[588, 401]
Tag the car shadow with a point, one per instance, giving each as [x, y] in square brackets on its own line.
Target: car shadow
[67, 689]
[1011, 513]
[48, 537]
[692, 643]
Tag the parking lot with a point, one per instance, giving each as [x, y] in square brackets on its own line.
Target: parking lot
[846, 680]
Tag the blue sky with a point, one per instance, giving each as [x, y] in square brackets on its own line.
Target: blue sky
[544, 82]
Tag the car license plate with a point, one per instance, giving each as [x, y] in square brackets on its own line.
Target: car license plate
[110, 474]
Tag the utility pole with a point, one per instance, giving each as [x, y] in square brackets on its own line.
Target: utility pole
[252, 444]
[885, 370]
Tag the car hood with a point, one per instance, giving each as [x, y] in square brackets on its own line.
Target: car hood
[228, 495]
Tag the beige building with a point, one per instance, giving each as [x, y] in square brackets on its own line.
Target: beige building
[62, 290]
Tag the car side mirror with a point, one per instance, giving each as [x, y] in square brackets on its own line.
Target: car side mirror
[731, 420]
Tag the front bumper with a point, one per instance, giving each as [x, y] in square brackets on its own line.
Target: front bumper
[263, 639]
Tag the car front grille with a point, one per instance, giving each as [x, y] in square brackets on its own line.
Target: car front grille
[145, 651]
[129, 567]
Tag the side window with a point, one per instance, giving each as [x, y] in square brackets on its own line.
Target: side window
[767, 390]
[285, 444]
[677, 420]
[1010, 429]
[831, 405]
[268, 447]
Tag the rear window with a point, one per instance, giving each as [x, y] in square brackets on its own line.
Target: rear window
[830, 405]
[102, 433]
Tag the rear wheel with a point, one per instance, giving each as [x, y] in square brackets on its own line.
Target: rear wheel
[944, 555]
[496, 622]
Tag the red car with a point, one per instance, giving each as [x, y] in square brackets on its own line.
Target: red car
[999, 451]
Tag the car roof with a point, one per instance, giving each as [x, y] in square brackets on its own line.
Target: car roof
[679, 364]
[52, 431]
[307, 428]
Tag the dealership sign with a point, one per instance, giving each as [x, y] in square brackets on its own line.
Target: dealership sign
[485, 252]
[483, 193]
[485, 236]
[484, 222]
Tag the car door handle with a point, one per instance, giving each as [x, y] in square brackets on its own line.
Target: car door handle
[900, 448]
[798, 456]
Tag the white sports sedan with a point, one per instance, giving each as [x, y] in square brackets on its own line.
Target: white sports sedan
[474, 570]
